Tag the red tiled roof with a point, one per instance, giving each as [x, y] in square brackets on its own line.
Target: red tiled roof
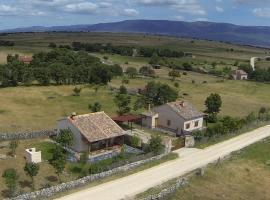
[96, 126]
[127, 118]
[25, 59]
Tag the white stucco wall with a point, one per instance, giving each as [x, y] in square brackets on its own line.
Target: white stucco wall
[79, 145]
[165, 113]
[192, 124]
[149, 121]
[32, 156]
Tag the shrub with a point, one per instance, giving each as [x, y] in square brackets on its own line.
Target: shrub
[176, 84]
[212, 118]
[77, 91]
[155, 145]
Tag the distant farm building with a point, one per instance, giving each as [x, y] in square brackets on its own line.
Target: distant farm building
[240, 75]
[179, 117]
[93, 132]
[26, 59]
[32, 156]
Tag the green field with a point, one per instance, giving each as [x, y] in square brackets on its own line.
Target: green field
[35, 107]
[203, 50]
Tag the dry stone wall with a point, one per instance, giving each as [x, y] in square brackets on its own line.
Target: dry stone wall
[48, 192]
[26, 135]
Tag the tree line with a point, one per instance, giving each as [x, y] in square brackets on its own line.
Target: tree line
[126, 50]
[6, 43]
[59, 66]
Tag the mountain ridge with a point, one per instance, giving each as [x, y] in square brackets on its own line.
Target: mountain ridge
[226, 32]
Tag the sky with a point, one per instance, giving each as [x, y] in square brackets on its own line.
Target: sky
[23, 13]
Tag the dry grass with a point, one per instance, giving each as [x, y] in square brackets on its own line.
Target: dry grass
[46, 173]
[239, 179]
[35, 108]
[239, 97]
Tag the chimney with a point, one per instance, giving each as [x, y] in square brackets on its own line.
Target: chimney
[73, 114]
[183, 104]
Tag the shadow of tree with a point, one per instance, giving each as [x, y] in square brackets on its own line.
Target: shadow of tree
[52, 178]
[25, 184]
[5, 193]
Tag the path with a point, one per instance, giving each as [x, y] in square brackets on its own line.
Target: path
[190, 159]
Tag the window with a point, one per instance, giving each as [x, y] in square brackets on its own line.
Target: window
[196, 124]
[187, 125]
[168, 122]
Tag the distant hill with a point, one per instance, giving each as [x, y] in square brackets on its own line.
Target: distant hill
[248, 35]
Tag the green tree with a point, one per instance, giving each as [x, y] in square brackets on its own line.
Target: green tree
[159, 93]
[96, 107]
[155, 145]
[174, 74]
[58, 161]
[213, 104]
[155, 59]
[77, 91]
[31, 169]
[52, 45]
[11, 180]
[122, 102]
[131, 72]
[65, 138]
[122, 89]
[125, 81]
[13, 146]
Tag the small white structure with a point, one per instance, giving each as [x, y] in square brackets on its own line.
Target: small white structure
[189, 141]
[149, 119]
[179, 117]
[32, 156]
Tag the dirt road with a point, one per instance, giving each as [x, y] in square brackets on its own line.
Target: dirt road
[190, 159]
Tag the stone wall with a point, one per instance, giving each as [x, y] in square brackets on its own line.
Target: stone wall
[165, 192]
[48, 192]
[26, 135]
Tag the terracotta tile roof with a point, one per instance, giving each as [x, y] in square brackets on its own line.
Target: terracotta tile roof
[240, 72]
[185, 110]
[96, 126]
[25, 59]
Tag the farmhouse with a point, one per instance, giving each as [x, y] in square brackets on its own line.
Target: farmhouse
[179, 117]
[92, 132]
[26, 59]
[240, 75]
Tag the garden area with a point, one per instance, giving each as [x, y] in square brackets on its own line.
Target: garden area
[57, 167]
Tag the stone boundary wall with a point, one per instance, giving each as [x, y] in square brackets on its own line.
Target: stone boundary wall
[48, 192]
[165, 192]
[26, 135]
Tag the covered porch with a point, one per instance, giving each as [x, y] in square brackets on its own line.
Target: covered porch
[105, 144]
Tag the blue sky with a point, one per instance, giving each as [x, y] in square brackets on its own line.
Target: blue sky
[21, 13]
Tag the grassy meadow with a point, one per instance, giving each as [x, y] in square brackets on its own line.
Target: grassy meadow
[35, 107]
[245, 176]
[206, 50]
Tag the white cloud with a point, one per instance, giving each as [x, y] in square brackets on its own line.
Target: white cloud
[179, 18]
[130, 12]
[201, 19]
[219, 9]
[182, 6]
[83, 7]
[262, 12]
